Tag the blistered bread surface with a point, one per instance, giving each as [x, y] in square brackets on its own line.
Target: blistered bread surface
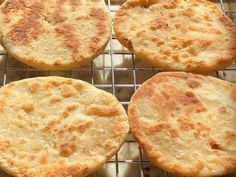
[185, 35]
[54, 126]
[186, 123]
[54, 34]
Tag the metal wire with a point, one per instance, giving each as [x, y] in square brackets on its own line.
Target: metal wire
[112, 53]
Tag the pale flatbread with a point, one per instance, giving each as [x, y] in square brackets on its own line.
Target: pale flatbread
[54, 127]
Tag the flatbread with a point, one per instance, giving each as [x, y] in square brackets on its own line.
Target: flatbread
[185, 123]
[54, 34]
[54, 127]
[185, 35]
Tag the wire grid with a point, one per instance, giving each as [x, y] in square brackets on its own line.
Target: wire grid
[118, 72]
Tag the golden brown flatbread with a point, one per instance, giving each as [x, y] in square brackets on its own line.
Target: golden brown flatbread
[185, 123]
[54, 34]
[185, 35]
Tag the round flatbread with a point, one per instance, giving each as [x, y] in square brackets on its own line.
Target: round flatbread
[54, 34]
[185, 123]
[184, 35]
[54, 126]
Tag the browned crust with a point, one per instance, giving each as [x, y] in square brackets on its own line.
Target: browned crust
[30, 22]
[37, 63]
[24, 31]
[149, 149]
[221, 62]
[70, 39]
[121, 12]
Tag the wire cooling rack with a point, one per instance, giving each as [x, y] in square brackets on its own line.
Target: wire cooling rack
[118, 72]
